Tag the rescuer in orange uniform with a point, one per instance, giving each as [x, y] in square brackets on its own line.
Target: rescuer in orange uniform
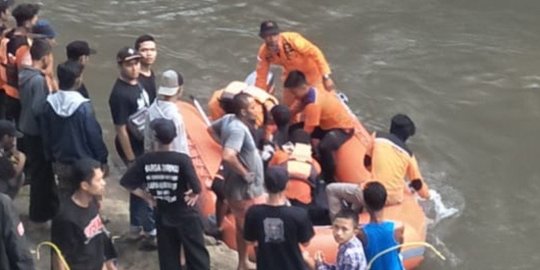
[292, 52]
[325, 119]
[392, 163]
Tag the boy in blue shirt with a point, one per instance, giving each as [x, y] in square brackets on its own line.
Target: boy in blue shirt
[379, 235]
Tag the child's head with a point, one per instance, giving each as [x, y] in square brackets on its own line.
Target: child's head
[345, 226]
[374, 196]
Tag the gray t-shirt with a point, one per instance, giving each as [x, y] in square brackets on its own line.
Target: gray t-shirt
[235, 135]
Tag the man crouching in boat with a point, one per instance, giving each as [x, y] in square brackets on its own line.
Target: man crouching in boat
[325, 119]
[243, 167]
[391, 161]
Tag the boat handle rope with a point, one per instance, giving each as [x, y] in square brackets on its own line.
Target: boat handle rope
[56, 249]
[438, 253]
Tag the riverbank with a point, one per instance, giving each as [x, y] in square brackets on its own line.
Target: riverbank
[115, 208]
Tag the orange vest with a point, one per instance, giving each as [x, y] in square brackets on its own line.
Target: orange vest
[263, 98]
[299, 167]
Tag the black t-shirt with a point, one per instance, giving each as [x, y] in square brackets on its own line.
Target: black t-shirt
[80, 235]
[278, 231]
[149, 84]
[125, 100]
[167, 176]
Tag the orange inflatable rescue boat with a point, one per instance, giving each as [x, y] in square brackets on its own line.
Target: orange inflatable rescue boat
[206, 156]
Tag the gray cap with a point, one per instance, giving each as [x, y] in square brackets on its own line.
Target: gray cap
[170, 83]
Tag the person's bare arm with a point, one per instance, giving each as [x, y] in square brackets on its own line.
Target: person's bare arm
[145, 196]
[123, 137]
[57, 263]
[399, 231]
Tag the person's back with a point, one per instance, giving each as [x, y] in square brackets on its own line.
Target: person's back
[278, 228]
[393, 162]
[325, 110]
[379, 235]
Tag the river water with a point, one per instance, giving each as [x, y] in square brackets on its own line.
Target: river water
[467, 72]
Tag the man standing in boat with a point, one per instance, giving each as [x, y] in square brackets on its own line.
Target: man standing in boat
[243, 166]
[292, 52]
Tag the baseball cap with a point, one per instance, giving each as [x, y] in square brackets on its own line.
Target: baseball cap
[127, 54]
[8, 128]
[170, 83]
[275, 179]
[43, 27]
[164, 130]
[77, 48]
[268, 28]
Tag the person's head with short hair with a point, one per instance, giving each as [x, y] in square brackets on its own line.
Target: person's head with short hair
[8, 135]
[146, 46]
[5, 12]
[87, 177]
[374, 196]
[227, 95]
[281, 114]
[275, 179]
[129, 63]
[164, 130]
[80, 51]
[244, 106]
[69, 75]
[170, 86]
[26, 15]
[297, 84]
[269, 32]
[41, 53]
[44, 29]
[345, 225]
[402, 126]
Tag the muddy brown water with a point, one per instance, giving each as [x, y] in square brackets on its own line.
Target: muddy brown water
[467, 72]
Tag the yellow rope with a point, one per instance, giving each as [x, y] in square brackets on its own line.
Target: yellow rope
[56, 249]
[438, 253]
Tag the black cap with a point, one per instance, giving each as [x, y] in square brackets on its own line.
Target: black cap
[77, 48]
[164, 130]
[8, 128]
[402, 126]
[268, 28]
[275, 179]
[127, 54]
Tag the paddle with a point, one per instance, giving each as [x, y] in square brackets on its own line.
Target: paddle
[200, 110]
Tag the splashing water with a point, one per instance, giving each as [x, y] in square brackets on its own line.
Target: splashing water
[441, 211]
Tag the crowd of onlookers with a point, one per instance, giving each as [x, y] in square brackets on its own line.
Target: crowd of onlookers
[276, 159]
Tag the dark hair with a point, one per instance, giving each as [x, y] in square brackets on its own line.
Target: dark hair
[374, 196]
[4, 5]
[240, 102]
[142, 39]
[40, 48]
[24, 12]
[295, 79]
[7, 171]
[300, 136]
[68, 73]
[281, 115]
[83, 170]
[402, 126]
[348, 214]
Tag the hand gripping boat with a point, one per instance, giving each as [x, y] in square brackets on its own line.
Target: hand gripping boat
[206, 157]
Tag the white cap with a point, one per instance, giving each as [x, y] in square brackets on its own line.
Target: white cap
[169, 83]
